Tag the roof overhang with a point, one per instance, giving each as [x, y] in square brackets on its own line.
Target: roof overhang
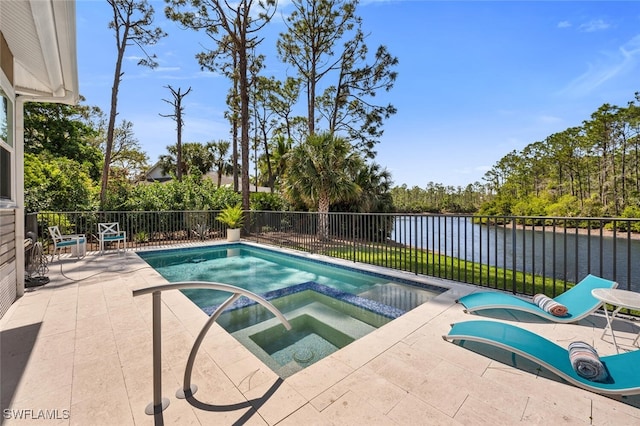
[41, 35]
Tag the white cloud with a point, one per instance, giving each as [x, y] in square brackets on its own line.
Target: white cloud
[133, 58]
[549, 119]
[564, 24]
[613, 65]
[594, 25]
[166, 69]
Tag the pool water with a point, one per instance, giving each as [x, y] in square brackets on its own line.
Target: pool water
[328, 306]
[323, 320]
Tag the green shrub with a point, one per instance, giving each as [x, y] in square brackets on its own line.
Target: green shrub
[232, 216]
[267, 201]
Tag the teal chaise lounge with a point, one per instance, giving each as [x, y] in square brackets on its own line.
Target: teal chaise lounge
[623, 369]
[577, 299]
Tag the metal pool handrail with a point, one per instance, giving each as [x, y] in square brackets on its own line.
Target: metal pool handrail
[159, 403]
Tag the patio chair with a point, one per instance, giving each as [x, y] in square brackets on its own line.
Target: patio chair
[623, 369]
[110, 232]
[578, 300]
[77, 242]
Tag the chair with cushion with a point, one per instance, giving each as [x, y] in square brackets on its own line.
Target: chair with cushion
[110, 233]
[77, 242]
[578, 301]
[579, 365]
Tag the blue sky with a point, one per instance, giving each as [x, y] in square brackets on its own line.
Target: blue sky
[476, 79]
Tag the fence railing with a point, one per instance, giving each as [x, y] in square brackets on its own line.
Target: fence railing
[144, 229]
[519, 254]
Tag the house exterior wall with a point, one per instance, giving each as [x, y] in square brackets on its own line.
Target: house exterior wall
[155, 174]
[38, 63]
[8, 270]
[9, 210]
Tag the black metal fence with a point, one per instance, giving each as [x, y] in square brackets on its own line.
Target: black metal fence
[144, 229]
[519, 254]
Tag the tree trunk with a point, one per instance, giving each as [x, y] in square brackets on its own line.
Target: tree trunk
[311, 102]
[271, 178]
[117, 76]
[244, 123]
[235, 125]
[179, 142]
[323, 217]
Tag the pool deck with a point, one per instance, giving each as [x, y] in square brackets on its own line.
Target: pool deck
[79, 349]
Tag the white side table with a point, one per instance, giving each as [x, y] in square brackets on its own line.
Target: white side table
[79, 249]
[620, 299]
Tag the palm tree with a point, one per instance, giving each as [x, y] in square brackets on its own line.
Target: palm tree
[375, 182]
[280, 146]
[196, 159]
[319, 172]
[221, 161]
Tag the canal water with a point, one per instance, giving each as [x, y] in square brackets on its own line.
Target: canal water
[551, 252]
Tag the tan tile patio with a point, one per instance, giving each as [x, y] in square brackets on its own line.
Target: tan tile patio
[79, 350]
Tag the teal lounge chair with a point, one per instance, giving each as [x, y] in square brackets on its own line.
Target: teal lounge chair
[624, 369]
[577, 299]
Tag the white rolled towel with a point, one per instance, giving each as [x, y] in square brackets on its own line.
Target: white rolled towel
[549, 305]
[585, 360]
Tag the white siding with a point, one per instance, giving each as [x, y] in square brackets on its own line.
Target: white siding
[8, 277]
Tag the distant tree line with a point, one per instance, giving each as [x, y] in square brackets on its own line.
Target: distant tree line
[592, 170]
[438, 198]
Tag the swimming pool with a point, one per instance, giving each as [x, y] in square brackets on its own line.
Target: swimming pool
[328, 305]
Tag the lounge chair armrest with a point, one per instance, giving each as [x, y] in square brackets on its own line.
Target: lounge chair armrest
[112, 234]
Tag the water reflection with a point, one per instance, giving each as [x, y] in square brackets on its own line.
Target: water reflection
[552, 252]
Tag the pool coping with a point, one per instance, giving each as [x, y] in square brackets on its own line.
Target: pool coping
[402, 277]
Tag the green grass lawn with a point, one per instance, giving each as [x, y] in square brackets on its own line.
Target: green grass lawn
[437, 265]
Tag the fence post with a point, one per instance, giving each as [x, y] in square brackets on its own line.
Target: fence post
[513, 255]
[415, 242]
[353, 235]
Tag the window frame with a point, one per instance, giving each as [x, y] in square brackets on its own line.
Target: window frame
[9, 146]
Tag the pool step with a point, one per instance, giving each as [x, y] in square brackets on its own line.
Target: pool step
[340, 322]
[348, 325]
[399, 296]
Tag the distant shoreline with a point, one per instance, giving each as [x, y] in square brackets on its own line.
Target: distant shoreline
[580, 231]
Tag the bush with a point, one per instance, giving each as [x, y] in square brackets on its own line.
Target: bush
[529, 206]
[630, 212]
[191, 193]
[566, 206]
[267, 201]
[57, 184]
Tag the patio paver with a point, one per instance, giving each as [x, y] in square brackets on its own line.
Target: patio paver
[79, 350]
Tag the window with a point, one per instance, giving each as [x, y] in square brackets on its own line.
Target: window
[6, 147]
